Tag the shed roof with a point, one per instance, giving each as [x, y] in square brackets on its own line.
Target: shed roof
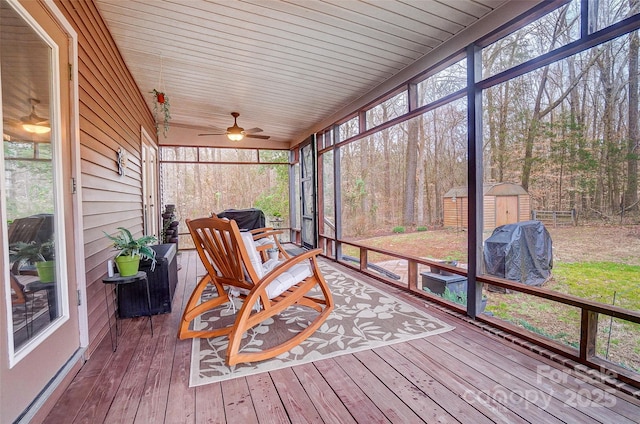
[490, 189]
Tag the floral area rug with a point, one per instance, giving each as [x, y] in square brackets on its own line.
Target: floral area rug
[364, 318]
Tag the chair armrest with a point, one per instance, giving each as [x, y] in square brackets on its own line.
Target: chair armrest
[260, 230]
[269, 233]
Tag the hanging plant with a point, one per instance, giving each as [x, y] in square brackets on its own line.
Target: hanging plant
[161, 106]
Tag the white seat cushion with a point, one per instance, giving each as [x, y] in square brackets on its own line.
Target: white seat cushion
[287, 279]
[254, 256]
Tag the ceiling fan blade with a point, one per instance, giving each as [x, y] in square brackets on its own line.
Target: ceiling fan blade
[11, 121]
[253, 130]
[212, 134]
[263, 137]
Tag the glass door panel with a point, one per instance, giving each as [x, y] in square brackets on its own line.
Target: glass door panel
[32, 187]
[307, 181]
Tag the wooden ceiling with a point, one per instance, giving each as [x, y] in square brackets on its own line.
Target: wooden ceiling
[24, 60]
[285, 66]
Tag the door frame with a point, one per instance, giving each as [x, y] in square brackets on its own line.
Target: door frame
[309, 176]
[150, 212]
[76, 173]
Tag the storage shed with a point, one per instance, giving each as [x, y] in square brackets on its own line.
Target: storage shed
[504, 203]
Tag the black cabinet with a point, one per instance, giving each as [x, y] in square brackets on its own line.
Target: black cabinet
[132, 298]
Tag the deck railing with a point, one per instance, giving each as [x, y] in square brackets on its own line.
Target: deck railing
[589, 310]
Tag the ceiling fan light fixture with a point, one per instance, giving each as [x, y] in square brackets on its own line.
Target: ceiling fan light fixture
[235, 136]
[33, 123]
[235, 133]
[35, 128]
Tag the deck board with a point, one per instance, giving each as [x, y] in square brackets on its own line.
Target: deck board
[363, 409]
[299, 408]
[209, 404]
[393, 407]
[461, 383]
[181, 409]
[266, 401]
[327, 403]
[238, 405]
[558, 387]
[515, 391]
[466, 375]
[100, 398]
[414, 396]
[437, 392]
[127, 398]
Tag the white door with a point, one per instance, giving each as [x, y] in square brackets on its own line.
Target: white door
[39, 319]
[150, 185]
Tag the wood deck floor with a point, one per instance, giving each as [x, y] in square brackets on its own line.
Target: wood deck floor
[465, 375]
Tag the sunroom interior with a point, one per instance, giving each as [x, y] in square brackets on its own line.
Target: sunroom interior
[358, 127]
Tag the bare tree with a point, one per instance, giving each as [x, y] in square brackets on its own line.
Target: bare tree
[631, 194]
[408, 216]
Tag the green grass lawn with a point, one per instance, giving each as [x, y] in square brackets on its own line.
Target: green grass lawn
[597, 281]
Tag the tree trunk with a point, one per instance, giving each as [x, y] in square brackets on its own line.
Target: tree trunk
[608, 155]
[420, 170]
[408, 217]
[631, 195]
[438, 214]
[532, 131]
[502, 133]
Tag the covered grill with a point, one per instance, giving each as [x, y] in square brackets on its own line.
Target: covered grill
[247, 219]
[520, 252]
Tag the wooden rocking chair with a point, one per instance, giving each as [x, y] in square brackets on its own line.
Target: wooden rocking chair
[232, 261]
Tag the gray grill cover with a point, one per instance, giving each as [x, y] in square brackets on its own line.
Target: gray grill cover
[247, 219]
[520, 252]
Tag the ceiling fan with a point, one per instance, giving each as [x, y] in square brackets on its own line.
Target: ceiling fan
[236, 133]
[33, 123]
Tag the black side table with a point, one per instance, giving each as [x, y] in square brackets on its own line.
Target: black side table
[52, 301]
[117, 280]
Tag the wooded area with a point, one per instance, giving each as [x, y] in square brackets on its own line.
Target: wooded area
[567, 132]
[201, 181]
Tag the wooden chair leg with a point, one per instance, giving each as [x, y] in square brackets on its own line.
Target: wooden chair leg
[247, 320]
[194, 308]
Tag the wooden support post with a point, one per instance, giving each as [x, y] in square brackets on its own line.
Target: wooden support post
[412, 278]
[363, 259]
[588, 334]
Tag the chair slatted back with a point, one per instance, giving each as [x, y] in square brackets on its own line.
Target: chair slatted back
[222, 251]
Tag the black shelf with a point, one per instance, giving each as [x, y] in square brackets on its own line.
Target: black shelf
[132, 298]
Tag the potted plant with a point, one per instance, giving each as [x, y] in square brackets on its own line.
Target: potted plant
[161, 105]
[131, 250]
[273, 253]
[39, 254]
